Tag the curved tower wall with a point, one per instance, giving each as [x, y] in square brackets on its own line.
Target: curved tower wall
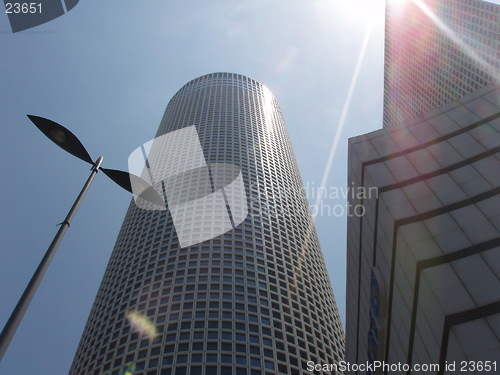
[254, 300]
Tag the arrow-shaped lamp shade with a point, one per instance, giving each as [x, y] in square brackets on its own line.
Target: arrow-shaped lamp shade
[61, 137]
[70, 143]
[126, 180]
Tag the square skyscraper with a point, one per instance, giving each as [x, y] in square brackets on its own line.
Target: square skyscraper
[423, 263]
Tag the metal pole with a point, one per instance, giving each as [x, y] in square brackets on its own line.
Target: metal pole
[17, 315]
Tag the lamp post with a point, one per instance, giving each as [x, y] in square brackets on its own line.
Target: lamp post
[70, 143]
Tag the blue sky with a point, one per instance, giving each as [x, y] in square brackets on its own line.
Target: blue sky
[106, 70]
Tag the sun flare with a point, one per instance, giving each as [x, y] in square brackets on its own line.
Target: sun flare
[372, 10]
[360, 10]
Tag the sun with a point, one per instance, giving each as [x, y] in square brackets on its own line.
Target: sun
[352, 12]
[368, 10]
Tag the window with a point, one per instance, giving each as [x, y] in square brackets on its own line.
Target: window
[241, 360]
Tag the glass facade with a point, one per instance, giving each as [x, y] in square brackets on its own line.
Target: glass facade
[255, 300]
[423, 262]
[437, 51]
[423, 286]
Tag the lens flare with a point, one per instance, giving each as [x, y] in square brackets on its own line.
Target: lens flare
[142, 324]
[458, 41]
[129, 370]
